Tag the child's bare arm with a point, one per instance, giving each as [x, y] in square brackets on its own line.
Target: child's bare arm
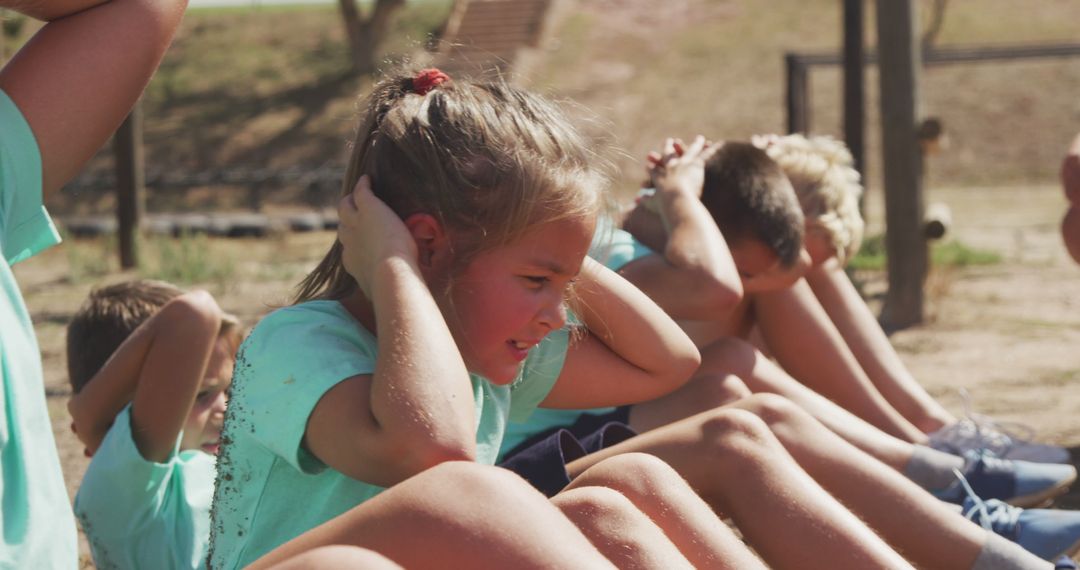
[416, 410]
[78, 77]
[696, 275]
[632, 350]
[158, 369]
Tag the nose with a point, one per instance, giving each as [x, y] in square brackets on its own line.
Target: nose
[218, 407]
[553, 315]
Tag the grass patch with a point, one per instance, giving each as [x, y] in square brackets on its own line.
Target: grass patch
[953, 253]
[89, 259]
[186, 260]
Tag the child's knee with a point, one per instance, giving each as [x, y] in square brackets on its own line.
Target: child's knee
[637, 475]
[735, 438]
[466, 482]
[774, 409]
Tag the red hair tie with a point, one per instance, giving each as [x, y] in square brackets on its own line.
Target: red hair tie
[427, 80]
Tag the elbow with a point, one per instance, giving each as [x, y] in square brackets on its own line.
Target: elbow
[718, 294]
[196, 309]
[686, 363]
[431, 453]
[682, 363]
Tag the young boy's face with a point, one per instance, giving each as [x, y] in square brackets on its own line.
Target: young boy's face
[203, 428]
[760, 267]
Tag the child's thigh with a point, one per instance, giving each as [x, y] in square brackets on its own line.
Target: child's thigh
[421, 521]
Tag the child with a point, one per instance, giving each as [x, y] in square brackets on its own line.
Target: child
[852, 361]
[485, 207]
[61, 96]
[149, 366]
[878, 494]
[144, 348]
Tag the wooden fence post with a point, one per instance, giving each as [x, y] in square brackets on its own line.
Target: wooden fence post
[899, 62]
[130, 186]
[854, 98]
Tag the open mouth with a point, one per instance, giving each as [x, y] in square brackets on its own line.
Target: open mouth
[520, 348]
[211, 447]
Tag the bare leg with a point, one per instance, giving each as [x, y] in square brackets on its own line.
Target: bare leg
[805, 342]
[665, 497]
[338, 556]
[736, 464]
[927, 531]
[713, 386]
[625, 535]
[872, 349]
[456, 514]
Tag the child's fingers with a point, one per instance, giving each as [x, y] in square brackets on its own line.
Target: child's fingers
[710, 149]
[695, 146]
[680, 148]
[653, 157]
[669, 148]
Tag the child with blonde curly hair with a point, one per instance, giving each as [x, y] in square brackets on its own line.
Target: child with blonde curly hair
[849, 358]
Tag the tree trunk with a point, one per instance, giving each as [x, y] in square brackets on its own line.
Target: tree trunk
[365, 35]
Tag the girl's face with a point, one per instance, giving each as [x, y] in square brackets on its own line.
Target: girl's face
[508, 299]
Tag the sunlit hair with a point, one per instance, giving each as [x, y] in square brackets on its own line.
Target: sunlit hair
[828, 186]
[488, 160]
[749, 197]
[110, 314]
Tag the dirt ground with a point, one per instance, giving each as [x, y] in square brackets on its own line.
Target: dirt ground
[1008, 333]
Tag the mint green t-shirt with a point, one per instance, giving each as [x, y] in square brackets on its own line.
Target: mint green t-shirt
[142, 514]
[38, 529]
[269, 488]
[615, 248]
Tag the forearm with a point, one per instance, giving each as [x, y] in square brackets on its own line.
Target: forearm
[49, 10]
[99, 58]
[694, 242]
[420, 390]
[185, 331]
[625, 320]
[95, 406]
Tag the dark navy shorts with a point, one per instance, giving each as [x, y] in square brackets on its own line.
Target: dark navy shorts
[541, 460]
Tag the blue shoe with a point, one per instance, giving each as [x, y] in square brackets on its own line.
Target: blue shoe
[1048, 534]
[1018, 483]
[1008, 440]
[1065, 563]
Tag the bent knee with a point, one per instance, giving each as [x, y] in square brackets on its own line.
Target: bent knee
[595, 506]
[735, 431]
[774, 409]
[633, 474]
[466, 482]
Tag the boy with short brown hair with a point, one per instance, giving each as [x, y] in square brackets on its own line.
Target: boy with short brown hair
[149, 365]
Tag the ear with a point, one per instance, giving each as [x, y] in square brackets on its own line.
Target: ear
[432, 243]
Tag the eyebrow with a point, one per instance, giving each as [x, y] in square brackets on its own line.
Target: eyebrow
[551, 266]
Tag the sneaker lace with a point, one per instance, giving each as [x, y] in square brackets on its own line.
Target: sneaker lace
[993, 515]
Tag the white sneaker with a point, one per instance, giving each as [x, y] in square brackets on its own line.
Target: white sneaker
[1008, 440]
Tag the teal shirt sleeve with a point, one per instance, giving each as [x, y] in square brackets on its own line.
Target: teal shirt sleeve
[539, 374]
[291, 359]
[25, 227]
[619, 249]
[138, 513]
